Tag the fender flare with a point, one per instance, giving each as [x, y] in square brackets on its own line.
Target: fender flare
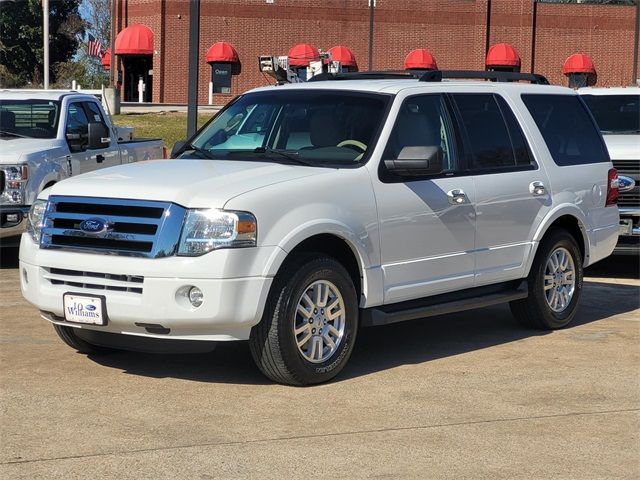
[562, 210]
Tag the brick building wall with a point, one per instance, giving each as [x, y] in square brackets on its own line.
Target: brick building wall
[455, 31]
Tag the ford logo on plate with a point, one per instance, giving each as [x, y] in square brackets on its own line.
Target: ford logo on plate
[94, 225]
[91, 308]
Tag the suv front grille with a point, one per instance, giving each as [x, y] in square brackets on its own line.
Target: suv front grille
[94, 280]
[629, 168]
[131, 227]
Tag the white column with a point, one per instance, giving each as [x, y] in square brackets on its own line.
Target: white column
[210, 93]
[74, 85]
[45, 40]
[140, 91]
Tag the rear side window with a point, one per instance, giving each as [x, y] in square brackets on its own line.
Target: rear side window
[567, 128]
[494, 137]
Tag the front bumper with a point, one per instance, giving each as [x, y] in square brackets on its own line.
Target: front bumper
[629, 239]
[13, 219]
[235, 283]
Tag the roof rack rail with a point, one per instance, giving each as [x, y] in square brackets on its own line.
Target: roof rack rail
[434, 76]
[438, 75]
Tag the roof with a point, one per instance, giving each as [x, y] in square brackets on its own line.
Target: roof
[54, 95]
[395, 86]
[609, 91]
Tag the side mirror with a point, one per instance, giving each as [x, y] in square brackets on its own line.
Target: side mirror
[177, 148]
[417, 161]
[98, 136]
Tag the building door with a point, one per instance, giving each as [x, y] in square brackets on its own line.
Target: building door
[135, 68]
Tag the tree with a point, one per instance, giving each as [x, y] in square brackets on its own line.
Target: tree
[21, 50]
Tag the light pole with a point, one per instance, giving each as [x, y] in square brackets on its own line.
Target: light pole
[45, 40]
[372, 6]
[194, 50]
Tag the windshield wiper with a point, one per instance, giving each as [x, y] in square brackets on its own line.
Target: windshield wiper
[201, 151]
[12, 134]
[267, 152]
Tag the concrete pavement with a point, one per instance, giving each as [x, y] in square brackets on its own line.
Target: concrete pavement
[468, 395]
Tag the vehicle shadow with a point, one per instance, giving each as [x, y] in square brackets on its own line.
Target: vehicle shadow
[382, 348]
[616, 266]
[8, 256]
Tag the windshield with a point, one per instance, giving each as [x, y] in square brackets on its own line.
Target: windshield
[29, 118]
[311, 127]
[615, 113]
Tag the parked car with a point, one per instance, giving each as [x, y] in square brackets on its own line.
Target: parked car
[617, 112]
[303, 212]
[47, 136]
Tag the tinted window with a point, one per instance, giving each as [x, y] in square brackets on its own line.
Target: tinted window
[518, 142]
[316, 127]
[567, 129]
[94, 112]
[487, 133]
[77, 122]
[422, 121]
[618, 114]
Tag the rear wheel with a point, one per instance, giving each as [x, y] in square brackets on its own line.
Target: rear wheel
[310, 322]
[68, 336]
[555, 284]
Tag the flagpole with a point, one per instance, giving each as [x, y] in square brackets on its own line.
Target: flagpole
[45, 40]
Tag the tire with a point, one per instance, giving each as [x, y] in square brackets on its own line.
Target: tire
[282, 354]
[68, 336]
[541, 310]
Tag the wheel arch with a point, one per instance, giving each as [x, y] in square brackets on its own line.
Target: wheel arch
[570, 220]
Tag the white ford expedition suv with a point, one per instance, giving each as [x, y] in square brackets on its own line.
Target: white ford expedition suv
[303, 212]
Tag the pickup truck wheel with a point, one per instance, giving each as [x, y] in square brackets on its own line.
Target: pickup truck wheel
[310, 322]
[68, 336]
[555, 284]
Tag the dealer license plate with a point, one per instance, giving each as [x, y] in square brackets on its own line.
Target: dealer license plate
[82, 309]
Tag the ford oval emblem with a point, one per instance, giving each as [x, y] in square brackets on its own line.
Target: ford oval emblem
[90, 307]
[94, 225]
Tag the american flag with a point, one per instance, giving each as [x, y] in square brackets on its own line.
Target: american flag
[94, 47]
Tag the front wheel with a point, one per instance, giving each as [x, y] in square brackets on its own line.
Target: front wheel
[310, 322]
[555, 284]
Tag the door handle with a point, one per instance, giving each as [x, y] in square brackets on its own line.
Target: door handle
[537, 189]
[457, 197]
[99, 158]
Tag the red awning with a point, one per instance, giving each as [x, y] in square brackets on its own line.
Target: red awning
[222, 52]
[578, 63]
[135, 40]
[302, 54]
[343, 55]
[502, 55]
[105, 60]
[420, 58]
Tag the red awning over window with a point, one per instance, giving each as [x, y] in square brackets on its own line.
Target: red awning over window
[105, 60]
[502, 55]
[343, 55]
[578, 63]
[302, 54]
[135, 40]
[222, 52]
[420, 58]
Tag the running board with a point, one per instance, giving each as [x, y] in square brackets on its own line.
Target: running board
[442, 304]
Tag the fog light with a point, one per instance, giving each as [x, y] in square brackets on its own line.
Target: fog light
[196, 297]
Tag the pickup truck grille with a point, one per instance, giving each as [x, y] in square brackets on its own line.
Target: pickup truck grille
[130, 227]
[630, 168]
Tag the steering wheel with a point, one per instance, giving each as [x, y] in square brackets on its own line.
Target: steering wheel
[353, 143]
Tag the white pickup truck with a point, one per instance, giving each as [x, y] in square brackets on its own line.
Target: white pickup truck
[47, 136]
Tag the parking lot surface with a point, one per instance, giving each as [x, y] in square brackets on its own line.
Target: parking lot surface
[468, 395]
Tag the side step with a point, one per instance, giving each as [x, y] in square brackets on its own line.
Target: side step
[469, 299]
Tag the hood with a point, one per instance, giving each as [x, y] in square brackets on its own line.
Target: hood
[187, 182]
[11, 149]
[623, 147]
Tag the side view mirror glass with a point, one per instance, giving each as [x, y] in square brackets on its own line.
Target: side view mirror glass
[98, 136]
[417, 161]
[177, 147]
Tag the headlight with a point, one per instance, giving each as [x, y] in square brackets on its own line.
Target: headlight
[207, 230]
[36, 219]
[16, 177]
